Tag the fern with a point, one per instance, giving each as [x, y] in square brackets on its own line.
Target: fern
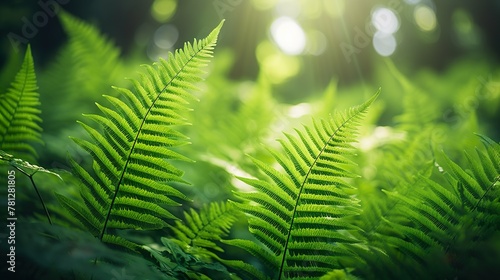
[445, 220]
[131, 178]
[201, 229]
[63, 253]
[20, 114]
[299, 215]
[195, 247]
[400, 167]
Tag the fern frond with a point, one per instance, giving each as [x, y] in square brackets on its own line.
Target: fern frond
[20, 113]
[298, 212]
[438, 219]
[246, 270]
[203, 228]
[478, 185]
[132, 145]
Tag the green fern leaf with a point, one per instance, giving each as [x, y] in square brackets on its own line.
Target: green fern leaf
[131, 146]
[20, 114]
[298, 214]
[441, 219]
[203, 228]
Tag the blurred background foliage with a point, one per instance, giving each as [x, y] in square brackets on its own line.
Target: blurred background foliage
[277, 63]
[428, 33]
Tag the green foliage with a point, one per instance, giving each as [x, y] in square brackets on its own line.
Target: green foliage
[299, 213]
[85, 68]
[176, 263]
[411, 205]
[243, 119]
[20, 113]
[201, 229]
[131, 177]
[24, 166]
[65, 253]
[442, 220]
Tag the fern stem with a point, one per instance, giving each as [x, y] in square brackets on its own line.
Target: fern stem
[41, 200]
[38, 193]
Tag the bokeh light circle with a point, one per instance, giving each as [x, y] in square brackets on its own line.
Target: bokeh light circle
[166, 36]
[425, 18]
[385, 20]
[384, 44]
[288, 35]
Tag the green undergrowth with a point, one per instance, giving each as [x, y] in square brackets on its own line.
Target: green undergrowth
[179, 172]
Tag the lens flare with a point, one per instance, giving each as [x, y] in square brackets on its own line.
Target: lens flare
[288, 35]
[163, 10]
[385, 44]
[425, 18]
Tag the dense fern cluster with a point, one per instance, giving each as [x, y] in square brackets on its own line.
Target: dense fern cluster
[409, 207]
